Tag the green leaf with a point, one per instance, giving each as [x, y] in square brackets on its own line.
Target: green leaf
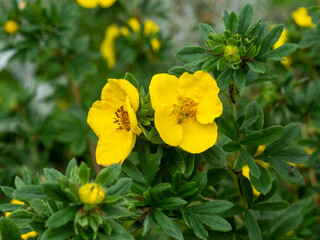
[29, 192]
[270, 206]
[263, 137]
[9, 207]
[282, 51]
[115, 170]
[205, 30]
[61, 233]
[211, 208]
[52, 175]
[132, 79]
[287, 225]
[224, 79]
[231, 146]
[233, 22]
[21, 218]
[191, 53]
[222, 63]
[225, 16]
[226, 128]
[153, 165]
[288, 172]
[121, 187]
[210, 64]
[40, 207]
[245, 18]
[238, 163]
[252, 227]
[262, 184]
[70, 168]
[62, 217]
[216, 175]
[253, 167]
[8, 230]
[256, 66]
[161, 187]
[146, 224]
[215, 156]
[270, 39]
[270, 194]
[133, 172]
[248, 122]
[103, 176]
[215, 222]
[178, 71]
[166, 224]
[291, 132]
[171, 203]
[252, 110]
[53, 191]
[293, 155]
[84, 173]
[196, 226]
[247, 190]
[240, 80]
[119, 232]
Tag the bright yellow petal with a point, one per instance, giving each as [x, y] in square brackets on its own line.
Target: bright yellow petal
[282, 40]
[198, 137]
[101, 116]
[245, 172]
[150, 27]
[28, 235]
[114, 146]
[133, 118]
[15, 201]
[116, 91]
[167, 125]
[260, 150]
[106, 3]
[88, 3]
[134, 24]
[163, 90]
[301, 17]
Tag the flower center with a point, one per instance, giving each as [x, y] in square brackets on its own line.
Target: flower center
[187, 108]
[122, 119]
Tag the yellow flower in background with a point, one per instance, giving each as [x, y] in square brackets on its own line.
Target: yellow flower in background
[91, 194]
[283, 40]
[245, 172]
[114, 121]
[95, 3]
[28, 235]
[155, 44]
[134, 24]
[260, 150]
[107, 47]
[13, 201]
[301, 17]
[150, 27]
[185, 109]
[11, 27]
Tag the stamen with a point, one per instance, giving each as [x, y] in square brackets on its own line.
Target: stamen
[187, 108]
[122, 119]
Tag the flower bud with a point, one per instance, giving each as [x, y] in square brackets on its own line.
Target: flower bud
[91, 194]
[231, 53]
[11, 27]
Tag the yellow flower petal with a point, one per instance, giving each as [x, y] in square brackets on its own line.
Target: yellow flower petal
[245, 172]
[28, 235]
[101, 116]
[11, 27]
[107, 47]
[133, 118]
[260, 150]
[116, 91]
[155, 44]
[114, 146]
[198, 137]
[15, 201]
[106, 3]
[163, 90]
[88, 3]
[282, 40]
[301, 17]
[134, 24]
[150, 27]
[166, 123]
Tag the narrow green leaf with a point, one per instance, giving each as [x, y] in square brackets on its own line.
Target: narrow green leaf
[240, 80]
[210, 64]
[262, 184]
[263, 137]
[121, 187]
[211, 208]
[52, 175]
[293, 155]
[252, 110]
[21, 218]
[115, 170]
[270, 194]
[40, 207]
[191, 53]
[84, 173]
[61, 233]
[8, 230]
[171, 203]
[70, 168]
[205, 30]
[287, 225]
[270, 39]
[282, 51]
[215, 222]
[253, 167]
[252, 227]
[146, 225]
[233, 22]
[132, 79]
[133, 172]
[119, 232]
[247, 190]
[178, 71]
[29, 192]
[231, 146]
[226, 128]
[224, 79]
[62, 217]
[225, 16]
[103, 176]
[215, 156]
[256, 66]
[196, 226]
[270, 206]
[216, 175]
[245, 18]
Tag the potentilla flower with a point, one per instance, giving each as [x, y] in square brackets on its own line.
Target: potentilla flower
[281, 41]
[114, 121]
[185, 109]
[301, 17]
[95, 3]
[91, 194]
[107, 47]
[11, 27]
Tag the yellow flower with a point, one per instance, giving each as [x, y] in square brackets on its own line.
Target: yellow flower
[185, 109]
[114, 121]
[28, 235]
[125, 31]
[150, 27]
[260, 150]
[155, 44]
[107, 47]
[134, 24]
[301, 17]
[11, 27]
[95, 3]
[13, 201]
[91, 194]
[245, 172]
[283, 40]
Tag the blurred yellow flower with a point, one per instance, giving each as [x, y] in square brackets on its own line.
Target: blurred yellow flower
[91, 194]
[283, 40]
[28, 235]
[134, 24]
[13, 201]
[95, 3]
[107, 47]
[155, 44]
[185, 109]
[11, 27]
[150, 27]
[114, 121]
[301, 17]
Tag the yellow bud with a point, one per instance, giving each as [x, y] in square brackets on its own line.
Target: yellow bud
[231, 53]
[11, 27]
[91, 194]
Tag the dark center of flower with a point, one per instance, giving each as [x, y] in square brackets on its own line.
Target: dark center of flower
[187, 108]
[122, 119]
